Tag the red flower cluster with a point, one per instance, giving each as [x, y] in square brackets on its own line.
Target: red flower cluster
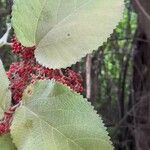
[21, 74]
[65, 76]
[27, 71]
[19, 49]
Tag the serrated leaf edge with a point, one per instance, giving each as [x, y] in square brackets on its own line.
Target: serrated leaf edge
[78, 59]
[83, 99]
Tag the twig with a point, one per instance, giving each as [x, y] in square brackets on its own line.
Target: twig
[142, 9]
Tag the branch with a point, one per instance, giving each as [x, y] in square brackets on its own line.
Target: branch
[142, 9]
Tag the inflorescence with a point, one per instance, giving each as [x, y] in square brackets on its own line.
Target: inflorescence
[28, 71]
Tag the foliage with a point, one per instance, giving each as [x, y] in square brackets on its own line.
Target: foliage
[22, 73]
[6, 142]
[64, 32]
[54, 117]
[5, 95]
[112, 79]
[55, 34]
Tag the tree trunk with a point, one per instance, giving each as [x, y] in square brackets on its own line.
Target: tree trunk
[141, 77]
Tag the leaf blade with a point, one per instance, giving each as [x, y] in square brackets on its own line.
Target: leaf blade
[58, 119]
[67, 30]
[6, 142]
[5, 94]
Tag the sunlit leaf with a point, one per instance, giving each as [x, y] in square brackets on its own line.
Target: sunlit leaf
[53, 117]
[64, 30]
[5, 94]
[6, 142]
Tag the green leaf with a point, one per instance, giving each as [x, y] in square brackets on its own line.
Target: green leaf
[6, 142]
[53, 117]
[5, 94]
[64, 30]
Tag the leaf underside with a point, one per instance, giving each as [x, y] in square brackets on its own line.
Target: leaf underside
[5, 94]
[53, 117]
[6, 143]
[64, 30]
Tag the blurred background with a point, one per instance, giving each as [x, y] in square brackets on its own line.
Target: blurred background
[116, 77]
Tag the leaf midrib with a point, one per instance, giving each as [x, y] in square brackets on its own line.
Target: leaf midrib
[35, 32]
